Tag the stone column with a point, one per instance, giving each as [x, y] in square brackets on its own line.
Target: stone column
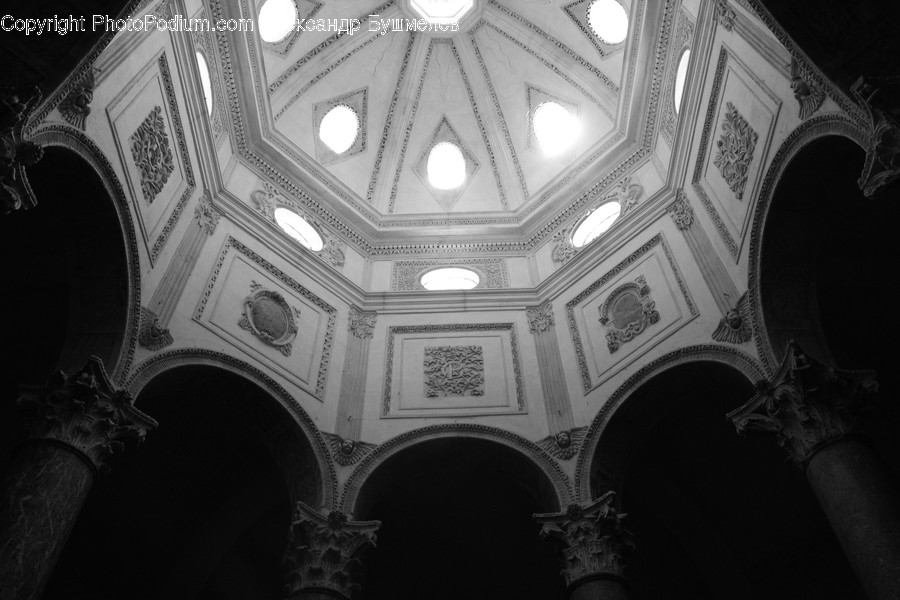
[811, 408]
[324, 555]
[347, 447]
[594, 542]
[74, 423]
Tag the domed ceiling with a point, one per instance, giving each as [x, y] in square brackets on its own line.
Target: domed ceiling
[476, 87]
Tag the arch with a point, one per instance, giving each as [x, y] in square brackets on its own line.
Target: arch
[66, 137]
[528, 451]
[166, 361]
[814, 129]
[726, 355]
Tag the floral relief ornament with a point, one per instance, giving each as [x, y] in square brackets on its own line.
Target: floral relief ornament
[152, 154]
[735, 150]
[269, 317]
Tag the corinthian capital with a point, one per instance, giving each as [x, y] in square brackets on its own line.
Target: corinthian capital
[362, 322]
[324, 552]
[594, 540]
[806, 405]
[84, 412]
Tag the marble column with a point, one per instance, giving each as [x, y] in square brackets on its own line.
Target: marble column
[324, 555]
[812, 410]
[74, 423]
[594, 543]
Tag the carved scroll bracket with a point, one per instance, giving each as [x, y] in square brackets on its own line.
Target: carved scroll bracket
[16, 152]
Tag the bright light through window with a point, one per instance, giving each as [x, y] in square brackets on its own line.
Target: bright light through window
[597, 222]
[680, 77]
[205, 82]
[297, 227]
[555, 128]
[451, 278]
[446, 167]
[339, 128]
[276, 20]
[609, 20]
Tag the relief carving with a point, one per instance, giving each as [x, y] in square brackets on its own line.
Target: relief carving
[735, 150]
[268, 316]
[540, 318]
[332, 250]
[152, 154]
[734, 327]
[808, 95]
[362, 322]
[347, 452]
[725, 15]
[565, 444]
[882, 165]
[627, 312]
[16, 152]
[206, 215]
[454, 371]
[681, 212]
[151, 334]
[563, 250]
[77, 104]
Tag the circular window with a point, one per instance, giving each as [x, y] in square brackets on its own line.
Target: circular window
[596, 223]
[554, 127]
[339, 128]
[680, 76]
[205, 82]
[298, 228]
[446, 167]
[276, 20]
[608, 20]
[450, 278]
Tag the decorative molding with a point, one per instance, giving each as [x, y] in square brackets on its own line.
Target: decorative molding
[203, 40]
[565, 444]
[809, 96]
[540, 318]
[206, 215]
[325, 553]
[453, 371]
[882, 165]
[727, 355]
[807, 405]
[681, 212]
[563, 248]
[406, 274]
[347, 452]
[76, 106]
[85, 413]
[284, 45]
[444, 132]
[578, 12]
[734, 327]
[533, 453]
[735, 150]
[358, 102]
[594, 539]
[152, 154]
[724, 14]
[152, 335]
[681, 41]
[269, 317]
[639, 292]
[16, 152]
[362, 322]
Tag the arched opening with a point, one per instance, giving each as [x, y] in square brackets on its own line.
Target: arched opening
[203, 508]
[714, 516]
[457, 522]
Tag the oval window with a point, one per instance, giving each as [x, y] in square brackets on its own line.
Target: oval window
[339, 128]
[608, 20]
[276, 20]
[450, 278]
[446, 167]
[680, 77]
[298, 228]
[554, 127]
[596, 223]
[205, 82]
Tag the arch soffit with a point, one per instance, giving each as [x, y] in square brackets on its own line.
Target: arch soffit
[166, 361]
[529, 451]
[62, 136]
[725, 355]
[816, 128]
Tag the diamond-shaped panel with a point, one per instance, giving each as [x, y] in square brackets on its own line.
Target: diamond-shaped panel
[444, 132]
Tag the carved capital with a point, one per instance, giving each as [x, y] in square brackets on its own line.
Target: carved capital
[540, 318]
[77, 104]
[362, 322]
[807, 405]
[593, 538]
[325, 552]
[16, 152]
[882, 165]
[725, 15]
[84, 412]
[206, 215]
[152, 335]
[681, 212]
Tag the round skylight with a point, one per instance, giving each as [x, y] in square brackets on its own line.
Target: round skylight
[554, 127]
[596, 223]
[450, 278]
[205, 82]
[609, 20]
[339, 128]
[298, 228]
[276, 19]
[680, 76]
[446, 166]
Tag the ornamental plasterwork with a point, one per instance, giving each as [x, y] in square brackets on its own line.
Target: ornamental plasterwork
[540, 318]
[206, 215]
[362, 322]
[734, 327]
[203, 41]
[578, 12]
[681, 212]
[151, 334]
[453, 371]
[358, 102]
[152, 154]
[809, 96]
[306, 9]
[724, 14]
[77, 104]
[735, 149]
[347, 452]
[405, 274]
[682, 40]
[627, 312]
[565, 444]
[269, 317]
[444, 132]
